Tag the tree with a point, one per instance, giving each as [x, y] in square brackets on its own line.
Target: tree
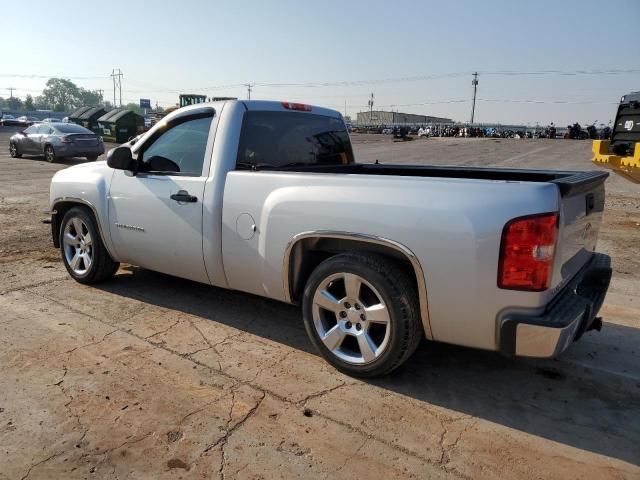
[62, 94]
[28, 104]
[41, 103]
[108, 105]
[91, 98]
[134, 107]
[13, 103]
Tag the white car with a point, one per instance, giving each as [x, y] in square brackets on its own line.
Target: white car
[379, 256]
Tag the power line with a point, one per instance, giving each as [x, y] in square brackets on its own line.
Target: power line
[544, 102]
[29, 75]
[351, 83]
[563, 72]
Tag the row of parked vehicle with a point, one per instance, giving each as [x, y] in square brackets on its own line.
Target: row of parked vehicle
[7, 120]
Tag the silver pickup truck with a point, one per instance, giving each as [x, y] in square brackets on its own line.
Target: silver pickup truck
[266, 197]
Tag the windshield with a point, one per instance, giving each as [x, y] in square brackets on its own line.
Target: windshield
[281, 139]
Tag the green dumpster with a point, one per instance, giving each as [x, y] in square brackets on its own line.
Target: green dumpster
[87, 117]
[120, 124]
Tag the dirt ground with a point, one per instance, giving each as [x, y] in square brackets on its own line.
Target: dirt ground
[150, 377]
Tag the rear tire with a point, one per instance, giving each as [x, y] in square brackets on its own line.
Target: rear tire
[49, 154]
[83, 253]
[92, 158]
[361, 312]
[13, 150]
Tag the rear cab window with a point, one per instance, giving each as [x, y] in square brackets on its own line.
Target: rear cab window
[277, 140]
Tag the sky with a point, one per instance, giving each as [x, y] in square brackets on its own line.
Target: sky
[538, 62]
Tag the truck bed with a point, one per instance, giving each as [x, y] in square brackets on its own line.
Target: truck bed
[569, 182]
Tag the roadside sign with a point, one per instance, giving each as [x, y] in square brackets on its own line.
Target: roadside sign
[145, 103]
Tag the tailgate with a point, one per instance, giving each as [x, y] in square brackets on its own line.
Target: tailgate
[582, 205]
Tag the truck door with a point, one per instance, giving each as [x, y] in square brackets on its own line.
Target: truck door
[155, 215]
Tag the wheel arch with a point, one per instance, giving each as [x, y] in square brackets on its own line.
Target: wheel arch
[60, 208]
[305, 251]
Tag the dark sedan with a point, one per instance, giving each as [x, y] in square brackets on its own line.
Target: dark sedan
[56, 140]
[9, 120]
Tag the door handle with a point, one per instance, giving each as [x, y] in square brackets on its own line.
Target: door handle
[183, 196]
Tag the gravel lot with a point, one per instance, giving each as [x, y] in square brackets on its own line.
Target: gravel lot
[150, 376]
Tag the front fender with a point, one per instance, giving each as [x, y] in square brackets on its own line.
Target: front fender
[88, 185]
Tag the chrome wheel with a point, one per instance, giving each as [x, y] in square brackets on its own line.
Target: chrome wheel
[13, 150]
[78, 246]
[49, 154]
[351, 318]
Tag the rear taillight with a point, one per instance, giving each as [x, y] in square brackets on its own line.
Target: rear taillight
[527, 252]
[296, 106]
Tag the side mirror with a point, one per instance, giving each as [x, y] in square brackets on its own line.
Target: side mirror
[120, 158]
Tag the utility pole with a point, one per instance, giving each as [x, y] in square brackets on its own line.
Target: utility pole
[100, 92]
[370, 103]
[117, 83]
[474, 82]
[249, 88]
[11, 89]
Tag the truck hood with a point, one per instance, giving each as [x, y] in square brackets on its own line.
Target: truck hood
[83, 169]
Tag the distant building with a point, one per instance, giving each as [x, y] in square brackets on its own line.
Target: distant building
[381, 117]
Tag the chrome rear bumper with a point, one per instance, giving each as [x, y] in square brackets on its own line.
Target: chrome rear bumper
[567, 317]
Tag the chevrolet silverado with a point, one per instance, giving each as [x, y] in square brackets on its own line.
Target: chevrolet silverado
[267, 198]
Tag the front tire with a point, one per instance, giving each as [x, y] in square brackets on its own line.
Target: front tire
[13, 150]
[49, 154]
[83, 253]
[92, 158]
[361, 312]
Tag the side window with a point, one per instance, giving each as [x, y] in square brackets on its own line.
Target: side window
[31, 129]
[180, 149]
[44, 129]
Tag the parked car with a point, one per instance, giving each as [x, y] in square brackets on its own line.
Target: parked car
[55, 141]
[25, 121]
[9, 120]
[379, 256]
[52, 120]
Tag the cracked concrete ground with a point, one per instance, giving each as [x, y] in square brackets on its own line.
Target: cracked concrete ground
[150, 377]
